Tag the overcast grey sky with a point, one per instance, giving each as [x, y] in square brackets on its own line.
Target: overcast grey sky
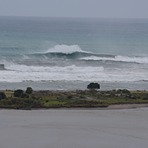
[75, 8]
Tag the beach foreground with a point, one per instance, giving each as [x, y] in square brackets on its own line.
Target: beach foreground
[70, 128]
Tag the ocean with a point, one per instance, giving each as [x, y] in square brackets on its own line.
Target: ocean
[73, 52]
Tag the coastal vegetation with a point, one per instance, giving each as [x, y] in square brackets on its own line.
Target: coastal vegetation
[20, 99]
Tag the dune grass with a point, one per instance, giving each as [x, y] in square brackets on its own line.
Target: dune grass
[78, 98]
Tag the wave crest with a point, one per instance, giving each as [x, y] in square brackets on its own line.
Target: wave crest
[67, 52]
[65, 49]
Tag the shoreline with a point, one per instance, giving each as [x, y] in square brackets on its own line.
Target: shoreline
[110, 107]
[73, 85]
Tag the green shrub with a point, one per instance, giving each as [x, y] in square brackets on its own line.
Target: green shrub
[18, 93]
[29, 90]
[23, 103]
[123, 91]
[24, 95]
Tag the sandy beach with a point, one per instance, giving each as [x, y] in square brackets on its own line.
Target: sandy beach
[69, 128]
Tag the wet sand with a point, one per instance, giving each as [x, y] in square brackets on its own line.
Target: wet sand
[63, 128]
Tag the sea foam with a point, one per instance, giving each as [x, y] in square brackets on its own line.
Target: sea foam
[20, 73]
[119, 59]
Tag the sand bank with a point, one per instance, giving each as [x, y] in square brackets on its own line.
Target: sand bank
[74, 128]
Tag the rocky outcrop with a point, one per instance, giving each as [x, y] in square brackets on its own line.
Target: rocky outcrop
[2, 67]
[93, 86]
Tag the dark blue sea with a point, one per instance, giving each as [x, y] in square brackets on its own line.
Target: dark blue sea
[73, 52]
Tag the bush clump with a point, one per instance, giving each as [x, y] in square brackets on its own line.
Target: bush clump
[18, 93]
[29, 90]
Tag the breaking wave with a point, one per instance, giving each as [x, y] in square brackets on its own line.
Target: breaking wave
[67, 52]
[71, 63]
[74, 52]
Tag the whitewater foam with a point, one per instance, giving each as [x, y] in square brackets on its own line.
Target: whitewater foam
[20, 73]
[141, 60]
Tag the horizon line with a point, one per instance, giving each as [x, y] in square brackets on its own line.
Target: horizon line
[74, 17]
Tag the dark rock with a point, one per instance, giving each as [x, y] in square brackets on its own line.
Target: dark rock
[93, 86]
[2, 67]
